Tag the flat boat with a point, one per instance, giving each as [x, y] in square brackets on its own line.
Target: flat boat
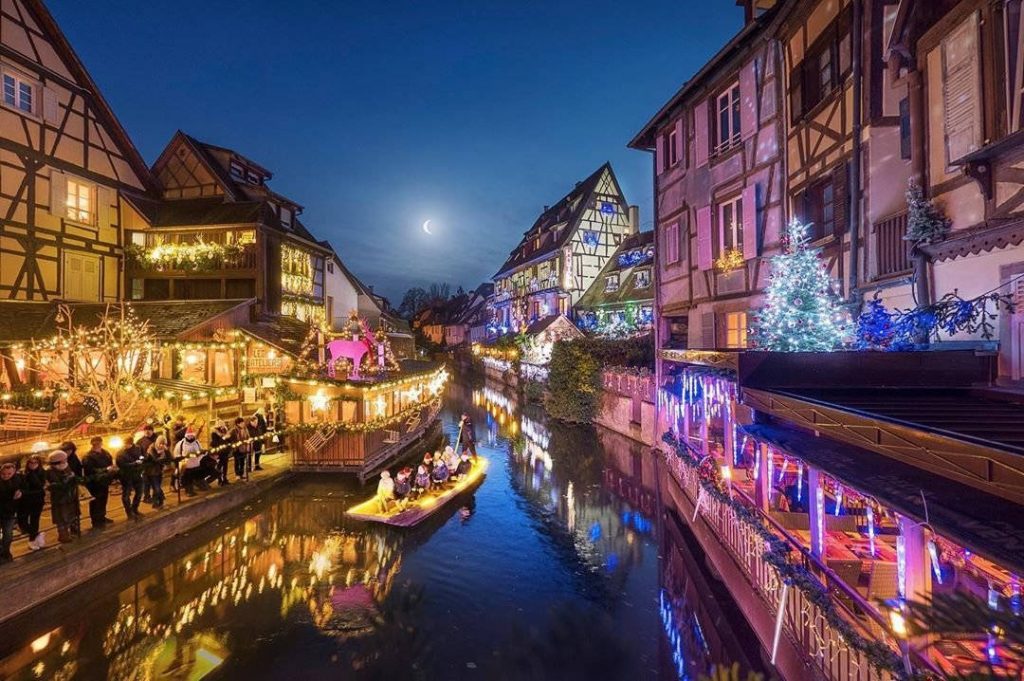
[424, 506]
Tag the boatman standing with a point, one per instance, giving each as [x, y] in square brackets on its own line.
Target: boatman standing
[468, 437]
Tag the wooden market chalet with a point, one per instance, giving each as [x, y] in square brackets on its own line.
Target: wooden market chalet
[217, 263]
[561, 255]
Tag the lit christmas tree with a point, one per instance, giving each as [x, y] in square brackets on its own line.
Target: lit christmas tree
[800, 314]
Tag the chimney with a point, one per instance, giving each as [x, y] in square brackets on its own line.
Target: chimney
[546, 208]
[634, 219]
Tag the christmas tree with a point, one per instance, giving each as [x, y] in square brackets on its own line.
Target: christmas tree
[800, 314]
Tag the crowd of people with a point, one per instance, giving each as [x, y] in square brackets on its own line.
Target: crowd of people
[436, 471]
[140, 466]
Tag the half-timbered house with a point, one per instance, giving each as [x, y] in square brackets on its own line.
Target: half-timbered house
[963, 62]
[561, 255]
[65, 165]
[620, 302]
[218, 231]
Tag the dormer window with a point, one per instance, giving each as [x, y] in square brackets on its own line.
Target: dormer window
[251, 177]
[237, 171]
[286, 217]
[611, 283]
[642, 279]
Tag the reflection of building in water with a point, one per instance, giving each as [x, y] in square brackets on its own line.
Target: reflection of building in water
[167, 625]
[500, 412]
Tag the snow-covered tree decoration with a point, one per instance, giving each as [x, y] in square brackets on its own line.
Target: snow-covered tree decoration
[926, 223]
[801, 313]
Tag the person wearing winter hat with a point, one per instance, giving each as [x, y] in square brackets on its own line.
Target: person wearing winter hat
[385, 491]
[74, 463]
[189, 453]
[10, 493]
[130, 466]
[220, 447]
[98, 467]
[157, 458]
[64, 505]
[33, 498]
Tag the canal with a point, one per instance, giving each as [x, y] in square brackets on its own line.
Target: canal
[561, 565]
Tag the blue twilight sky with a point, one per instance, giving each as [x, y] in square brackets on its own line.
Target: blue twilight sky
[378, 115]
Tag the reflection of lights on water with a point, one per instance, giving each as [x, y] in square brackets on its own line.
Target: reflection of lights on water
[675, 640]
[570, 503]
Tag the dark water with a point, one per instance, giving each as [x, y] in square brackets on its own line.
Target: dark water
[560, 566]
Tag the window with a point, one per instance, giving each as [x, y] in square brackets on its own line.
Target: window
[905, 151]
[286, 217]
[18, 93]
[730, 225]
[330, 267]
[642, 279]
[251, 177]
[237, 170]
[611, 283]
[727, 122]
[736, 329]
[826, 64]
[817, 206]
[671, 148]
[80, 201]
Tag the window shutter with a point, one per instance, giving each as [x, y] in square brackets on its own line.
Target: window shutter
[961, 91]
[700, 134]
[51, 107]
[707, 330]
[58, 194]
[750, 218]
[104, 197]
[840, 199]
[680, 142]
[748, 99]
[704, 242]
[661, 153]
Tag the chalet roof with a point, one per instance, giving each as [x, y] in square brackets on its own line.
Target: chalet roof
[75, 65]
[627, 291]
[542, 324]
[284, 333]
[167, 319]
[205, 211]
[356, 281]
[645, 138]
[566, 212]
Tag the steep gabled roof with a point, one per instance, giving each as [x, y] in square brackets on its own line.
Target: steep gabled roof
[627, 291]
[566, 213]
[105, 113]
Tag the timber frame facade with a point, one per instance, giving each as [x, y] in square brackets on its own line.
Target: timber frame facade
[562, 254]
[65, 166]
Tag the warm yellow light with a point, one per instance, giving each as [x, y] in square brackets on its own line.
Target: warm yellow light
[898, 623]
[272, 354]
[5, 397]
[19, 364]
[319, 401]
[726, 473]
[115, 442]
[191, 359]
[40, 643]
[40, 446]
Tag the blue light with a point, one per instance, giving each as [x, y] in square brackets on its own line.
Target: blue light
[590, 238]
[608, 208]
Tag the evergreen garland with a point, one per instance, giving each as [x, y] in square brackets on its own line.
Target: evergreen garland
[926, 223]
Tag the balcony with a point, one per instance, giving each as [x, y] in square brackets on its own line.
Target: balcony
[195, 252]
[891, 247]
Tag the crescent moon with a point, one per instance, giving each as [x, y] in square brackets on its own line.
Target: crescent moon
[426, 227]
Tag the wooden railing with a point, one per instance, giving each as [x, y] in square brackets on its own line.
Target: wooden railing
[804, 621]
[246, 260]
[891, 247]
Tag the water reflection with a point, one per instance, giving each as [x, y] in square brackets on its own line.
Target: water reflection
[559, 566]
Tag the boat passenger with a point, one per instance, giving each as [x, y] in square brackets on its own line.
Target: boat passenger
[451, 459]
[403, 486]
[421, 483]
[440, 473]
[385, 491]
[428, 461]
[464, 467]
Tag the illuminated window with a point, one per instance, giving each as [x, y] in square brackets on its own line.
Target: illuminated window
[18, 93]
[736, 330]
[79, 201]
[296, 271]
[727, 126]
[730, 225]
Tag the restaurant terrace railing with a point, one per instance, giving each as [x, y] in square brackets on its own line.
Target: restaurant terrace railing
[891, 246]
[822, 643]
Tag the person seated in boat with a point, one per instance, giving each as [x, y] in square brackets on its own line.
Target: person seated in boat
[441, 473]
[421, 483]
[403, 487]
[385, 491]
[464, 467]
[428, 461]
[451, 459]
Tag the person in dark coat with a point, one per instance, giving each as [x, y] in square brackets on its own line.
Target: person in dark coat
[241, 447]
[10, 493]
[144, 443]
[468, 437]
[30, 505]
[74, 463]
[464, 467]
[65, 507]
[157, 458]
[258, 427]
[220, 447]
[178, 430]
[130, 463]
[98, 469]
